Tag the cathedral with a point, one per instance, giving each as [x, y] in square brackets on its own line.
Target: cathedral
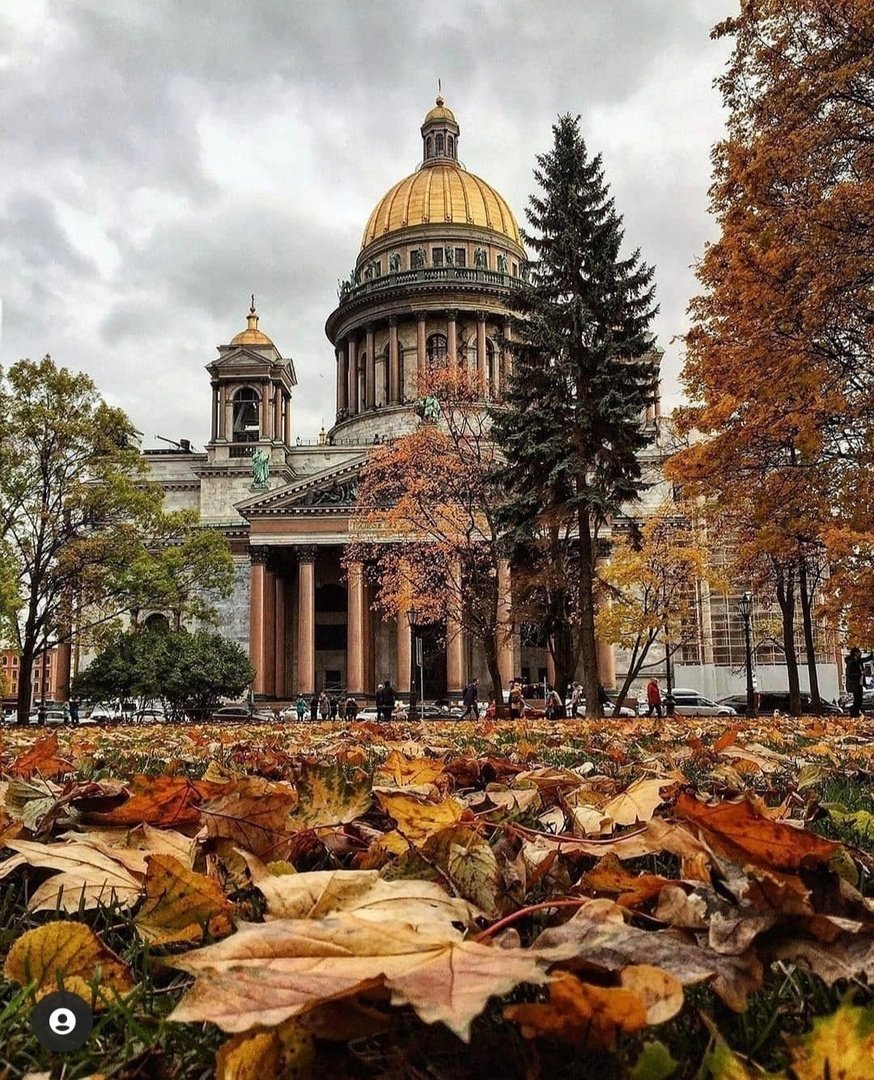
[432, 280]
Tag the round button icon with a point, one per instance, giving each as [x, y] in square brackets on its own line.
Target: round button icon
[61, 1021]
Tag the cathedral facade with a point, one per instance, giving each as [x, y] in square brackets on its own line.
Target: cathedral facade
[432, 281]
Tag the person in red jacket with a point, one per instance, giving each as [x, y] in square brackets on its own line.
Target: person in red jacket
[654, 698]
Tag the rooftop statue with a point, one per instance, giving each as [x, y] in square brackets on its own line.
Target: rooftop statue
[260, 468]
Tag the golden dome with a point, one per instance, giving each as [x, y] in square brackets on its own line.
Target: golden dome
[440, 112]
[441, 193]
[251, 335]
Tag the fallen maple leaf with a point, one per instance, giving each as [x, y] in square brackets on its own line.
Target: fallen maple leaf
[41, 758]
[253, 813]
[631, 890]
[180, 905]
[319, 893]
[739, 831]
[417, 820]
[162, 801]
[265, 974]
[581, 1014]
[840, 1046]
[327, 796]
[638, 802]
[400, 771]
[67, 954]
[87, 877]
[288, 1052]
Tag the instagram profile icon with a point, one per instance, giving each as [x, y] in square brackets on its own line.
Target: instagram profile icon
[61, 1021]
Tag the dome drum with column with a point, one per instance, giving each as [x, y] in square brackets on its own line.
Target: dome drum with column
[438, 258]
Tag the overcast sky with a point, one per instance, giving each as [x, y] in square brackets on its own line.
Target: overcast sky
[161, 159]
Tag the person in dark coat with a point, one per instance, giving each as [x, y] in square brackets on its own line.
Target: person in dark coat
[469, 700]
[854, 677]
[335, 706]
[380, 702]
[314, 707]
[388, 700]
[351, 708]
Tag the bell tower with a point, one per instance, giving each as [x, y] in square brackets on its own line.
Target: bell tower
[252, 386]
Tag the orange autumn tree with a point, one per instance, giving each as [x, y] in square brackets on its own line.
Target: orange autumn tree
[778, 365]
[427, 518]
[651, 579]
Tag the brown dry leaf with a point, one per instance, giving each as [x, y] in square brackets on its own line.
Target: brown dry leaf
[265, 974]
[597, 937]
[87, 876]
[738, 831]
[288, 1052]
[68, 951]
[319, 893]
[475, 872]
[631, 890]
[417, 820]
[31, 801]
[42, 759]
[180, 904]
[253, 813]
[638, 802]
[727, 738]
[581, 1014]
[328, 796]
[589, 821]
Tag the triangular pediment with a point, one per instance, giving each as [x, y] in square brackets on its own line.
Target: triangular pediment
[329, 490]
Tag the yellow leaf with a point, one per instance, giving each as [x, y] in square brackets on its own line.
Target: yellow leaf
[419, 820]
[327, 796]
[638, 802]
[180, 904]
[840, 1046]
[68, 951]
[286, 1053]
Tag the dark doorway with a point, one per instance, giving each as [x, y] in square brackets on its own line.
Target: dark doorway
[433, 661]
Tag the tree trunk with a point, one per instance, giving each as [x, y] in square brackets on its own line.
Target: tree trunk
[809, 647]
[561, 646]
[490, 648]
[25, 683]
[587, 615]
[786, 599]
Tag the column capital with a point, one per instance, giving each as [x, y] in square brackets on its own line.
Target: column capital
[452, 313]
[369, 327]
[421, 316]
[259, 555]
[481, 316]
[306, 553]
[392, 320]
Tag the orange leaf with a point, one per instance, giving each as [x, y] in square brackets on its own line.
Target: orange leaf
[41, 758]
[581, 1014]
[738, 830]
[727, 738]
[632, 890]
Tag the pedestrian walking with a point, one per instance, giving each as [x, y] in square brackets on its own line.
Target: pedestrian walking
[469, 700]
[654, 698]
[517, 702]
[380, 701]
[314, 707]
[66, 711]
[74, 711]
[324, 706]
[603, 700]
[576, 698]
[335, 706]
[300, 707]
[351, 708]
[553, 705]
[854, 676]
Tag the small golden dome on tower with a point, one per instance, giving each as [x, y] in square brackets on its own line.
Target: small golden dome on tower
[251, 335]
[440, 112]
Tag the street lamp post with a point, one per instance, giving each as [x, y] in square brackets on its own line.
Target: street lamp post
[669, 679]
[413, 619]
[745, 610]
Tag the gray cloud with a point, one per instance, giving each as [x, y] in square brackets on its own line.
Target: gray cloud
[162, 160]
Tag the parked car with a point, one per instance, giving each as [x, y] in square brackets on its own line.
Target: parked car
[770, 701]
[241, 713]
[152, 714]
[691, 703]
[52, 716]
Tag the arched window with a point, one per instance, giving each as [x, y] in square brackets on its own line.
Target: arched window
[491, 367]
[450, 146]
[246, 426]
[429, 147]
[436, 349]
[157, 621]
[439, 143]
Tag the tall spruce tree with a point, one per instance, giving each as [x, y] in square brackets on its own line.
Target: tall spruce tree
[572, 424]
